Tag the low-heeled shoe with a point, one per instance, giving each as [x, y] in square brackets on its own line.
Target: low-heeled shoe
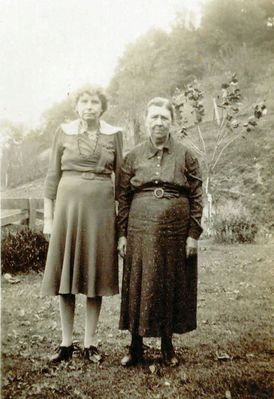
[92, 354]
[132, 358]
[170, 358]
[64, 354]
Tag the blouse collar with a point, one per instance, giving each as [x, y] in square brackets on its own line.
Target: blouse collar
[152, 150]
[79, 127]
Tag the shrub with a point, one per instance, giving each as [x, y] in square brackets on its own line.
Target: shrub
[233, 224]
[23, 251]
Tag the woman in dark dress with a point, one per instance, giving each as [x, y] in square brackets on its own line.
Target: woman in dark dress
[82, 255]
[160, 209]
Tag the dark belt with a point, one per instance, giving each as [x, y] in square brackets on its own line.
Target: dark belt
[87, 175]
[161, 192]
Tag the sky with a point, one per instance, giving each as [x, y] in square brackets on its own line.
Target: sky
[51, 47]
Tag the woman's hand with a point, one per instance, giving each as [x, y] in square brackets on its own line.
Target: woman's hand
[191, 247]
[122, 246]
[47, 230]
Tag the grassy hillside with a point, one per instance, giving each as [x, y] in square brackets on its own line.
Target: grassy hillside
[244, 176]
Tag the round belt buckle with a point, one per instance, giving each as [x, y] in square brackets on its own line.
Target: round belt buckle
[158, 192]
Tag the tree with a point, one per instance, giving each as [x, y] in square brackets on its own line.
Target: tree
[234, 23]
[54, 116]
[229, 127]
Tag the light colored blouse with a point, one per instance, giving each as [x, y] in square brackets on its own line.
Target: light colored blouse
[73, 149]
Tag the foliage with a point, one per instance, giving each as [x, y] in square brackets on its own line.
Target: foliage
[229, 104]
[233, 224]
[145, 69]
[21, 162]
[229, 127]
[236, 23]
[59, 113]
[232, 36]
[23, 251]
[24, 151]
[11, 132]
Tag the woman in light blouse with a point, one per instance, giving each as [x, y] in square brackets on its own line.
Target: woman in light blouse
[160, 209]
[82, 255]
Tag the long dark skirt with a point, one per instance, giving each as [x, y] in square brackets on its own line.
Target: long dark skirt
[159, 291]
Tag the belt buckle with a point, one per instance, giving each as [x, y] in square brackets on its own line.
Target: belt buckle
[158, 192]
[88, 175]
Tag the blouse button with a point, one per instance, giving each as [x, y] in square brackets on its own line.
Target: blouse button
[157, 173]
[159, 157]
[156, 182]
[158, 165]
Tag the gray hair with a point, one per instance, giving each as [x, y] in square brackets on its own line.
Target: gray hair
[161, 102]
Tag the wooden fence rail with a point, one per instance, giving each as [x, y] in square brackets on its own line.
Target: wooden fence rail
[21, 211]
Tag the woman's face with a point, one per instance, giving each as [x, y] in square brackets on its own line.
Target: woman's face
[158, 123]
[89, 107]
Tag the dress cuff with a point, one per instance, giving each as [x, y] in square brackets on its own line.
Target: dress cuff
[195, 229]
[121, 232]
[49, 194]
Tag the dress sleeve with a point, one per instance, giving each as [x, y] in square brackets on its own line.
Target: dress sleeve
[118, 161]
[194, 178]
[54, 170]
[125, 196]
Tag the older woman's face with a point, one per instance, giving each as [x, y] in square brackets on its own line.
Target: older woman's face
[89, 107]
[158, 123]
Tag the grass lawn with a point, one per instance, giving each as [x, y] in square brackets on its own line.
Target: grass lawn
[228, 356]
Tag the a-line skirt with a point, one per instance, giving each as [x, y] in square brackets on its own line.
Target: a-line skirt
[159, 289]
[82, 254]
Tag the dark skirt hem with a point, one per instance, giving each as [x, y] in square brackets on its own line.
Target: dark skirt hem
[176, 330]
[159, 290]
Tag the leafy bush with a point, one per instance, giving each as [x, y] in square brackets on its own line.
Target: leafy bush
[232, 223]
[23, 251]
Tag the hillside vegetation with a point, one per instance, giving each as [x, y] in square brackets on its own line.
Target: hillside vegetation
[244, 178]
[233, 37]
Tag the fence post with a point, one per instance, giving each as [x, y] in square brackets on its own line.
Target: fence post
[32, 213]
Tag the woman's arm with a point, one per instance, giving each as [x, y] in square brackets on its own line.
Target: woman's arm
[118, 161]
[48, 216]
[54, 170]
[124, 201]
[124, 197]
[52, 181]
[194, 178]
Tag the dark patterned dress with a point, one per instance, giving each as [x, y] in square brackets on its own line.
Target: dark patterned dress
[82, 254]
[159, 291]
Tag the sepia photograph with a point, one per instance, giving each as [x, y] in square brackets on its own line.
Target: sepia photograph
[137, 192]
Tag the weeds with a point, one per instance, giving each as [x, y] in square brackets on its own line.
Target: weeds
[233, 224]
[23, 251]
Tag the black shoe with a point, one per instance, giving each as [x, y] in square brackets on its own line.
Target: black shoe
[91, 353]
[132, 358]
[170, 359]
[64, 354]
[168, 353]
